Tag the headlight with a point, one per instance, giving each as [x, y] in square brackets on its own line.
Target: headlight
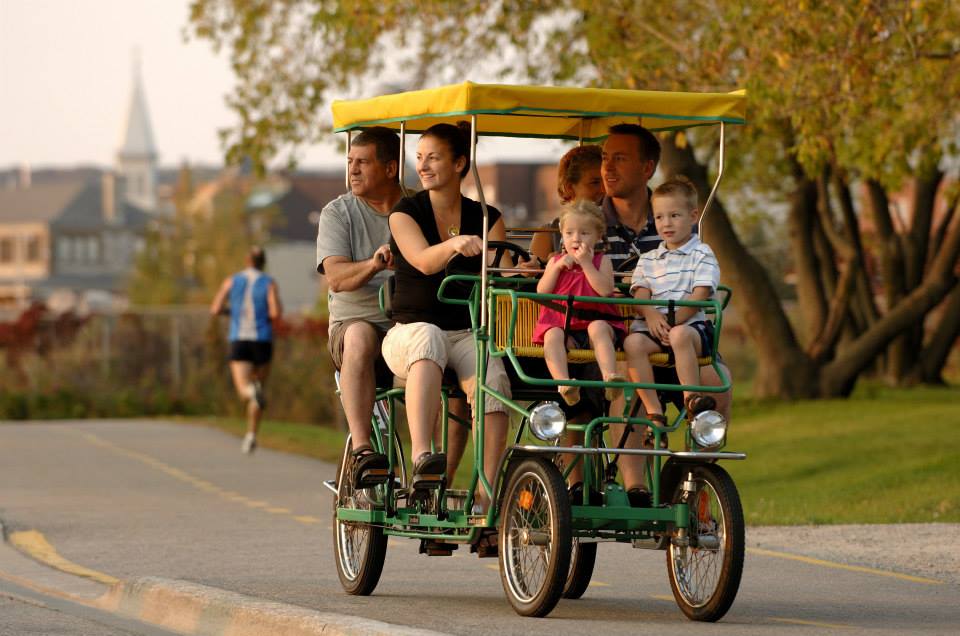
[708, 429]
[547, 421]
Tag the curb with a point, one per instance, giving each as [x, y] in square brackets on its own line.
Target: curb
[190, 608]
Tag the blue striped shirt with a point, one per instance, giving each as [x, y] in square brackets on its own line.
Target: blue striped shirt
[673, 274]
[622, 241]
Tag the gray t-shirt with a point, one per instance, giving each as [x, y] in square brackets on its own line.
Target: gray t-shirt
[349, 227]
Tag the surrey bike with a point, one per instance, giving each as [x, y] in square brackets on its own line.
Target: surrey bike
[547, 541]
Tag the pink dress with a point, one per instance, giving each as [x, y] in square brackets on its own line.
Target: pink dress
[574, 281]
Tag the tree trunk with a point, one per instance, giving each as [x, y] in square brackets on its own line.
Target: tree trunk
[944, 336]
[905, 354]
[802, 226]
[783, 369]
[838, 376]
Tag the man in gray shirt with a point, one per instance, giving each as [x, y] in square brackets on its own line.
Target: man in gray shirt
[353, 252]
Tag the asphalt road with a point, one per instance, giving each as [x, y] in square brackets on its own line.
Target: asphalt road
[138, 498]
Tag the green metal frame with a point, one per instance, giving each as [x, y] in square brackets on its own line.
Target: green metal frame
[615, 520]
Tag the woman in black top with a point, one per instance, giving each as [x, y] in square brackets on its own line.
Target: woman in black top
[428, 230]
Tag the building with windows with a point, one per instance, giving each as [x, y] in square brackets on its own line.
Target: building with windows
[75, 233]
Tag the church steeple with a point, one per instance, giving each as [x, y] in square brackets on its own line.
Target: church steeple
[137, 156]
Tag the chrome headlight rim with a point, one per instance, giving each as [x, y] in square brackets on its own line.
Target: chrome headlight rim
[708, 429]
[547, 421]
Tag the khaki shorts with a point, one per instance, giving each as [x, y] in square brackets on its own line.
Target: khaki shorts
[407, 343]
[336, 334]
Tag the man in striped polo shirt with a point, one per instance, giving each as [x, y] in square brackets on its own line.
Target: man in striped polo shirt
[630, 157]
[254, 305]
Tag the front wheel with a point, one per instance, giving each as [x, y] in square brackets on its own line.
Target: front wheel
[359, 548]
[534, 537]
[705, 565]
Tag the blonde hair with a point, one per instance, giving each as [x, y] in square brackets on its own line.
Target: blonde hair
[573, 164]
[585, 209]
[678, 186]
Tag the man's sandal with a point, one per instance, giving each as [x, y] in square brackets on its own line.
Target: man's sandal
[370, 468]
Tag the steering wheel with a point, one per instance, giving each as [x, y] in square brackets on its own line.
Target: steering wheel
[461, 264]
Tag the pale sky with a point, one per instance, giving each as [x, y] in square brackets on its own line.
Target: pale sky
[66, 74]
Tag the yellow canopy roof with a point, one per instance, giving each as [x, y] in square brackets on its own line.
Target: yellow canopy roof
[540, 111]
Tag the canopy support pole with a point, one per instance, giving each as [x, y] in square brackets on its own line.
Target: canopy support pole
[706, 206]
[486, 216]
[403, 156]
[349, 139]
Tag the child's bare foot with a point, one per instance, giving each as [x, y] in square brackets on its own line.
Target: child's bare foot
[570, 394]
[613, 393]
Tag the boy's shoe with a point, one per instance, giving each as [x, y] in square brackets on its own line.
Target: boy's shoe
[258, 395]
[697, 403]
[249, 443]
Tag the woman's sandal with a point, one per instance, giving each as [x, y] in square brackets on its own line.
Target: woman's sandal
[369, 467]
[429, 470]
[697, 403]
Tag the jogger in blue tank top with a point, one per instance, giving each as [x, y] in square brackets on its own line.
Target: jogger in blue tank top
[254, 303]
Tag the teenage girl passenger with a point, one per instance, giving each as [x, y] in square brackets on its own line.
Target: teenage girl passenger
[579, 271]
[578, 177]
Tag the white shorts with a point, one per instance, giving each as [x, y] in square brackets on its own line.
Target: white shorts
[407, 343]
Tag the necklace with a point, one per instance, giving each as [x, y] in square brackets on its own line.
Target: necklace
[453, 230]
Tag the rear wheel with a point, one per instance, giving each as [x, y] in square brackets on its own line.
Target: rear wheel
[583, 556]
[534, 537]
[705, 566]
[359, 548]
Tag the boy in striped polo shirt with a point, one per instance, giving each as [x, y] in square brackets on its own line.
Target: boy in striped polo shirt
[681, 268]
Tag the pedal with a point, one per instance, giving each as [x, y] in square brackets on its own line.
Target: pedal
[373, 477]
[427, 481]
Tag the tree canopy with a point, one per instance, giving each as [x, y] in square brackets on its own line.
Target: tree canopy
[849, 102]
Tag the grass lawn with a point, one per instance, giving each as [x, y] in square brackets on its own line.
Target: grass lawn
[882, 456]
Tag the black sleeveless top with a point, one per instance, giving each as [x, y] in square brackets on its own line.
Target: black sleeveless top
[415, 294]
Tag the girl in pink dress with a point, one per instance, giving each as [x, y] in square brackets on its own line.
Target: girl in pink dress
[580, 272]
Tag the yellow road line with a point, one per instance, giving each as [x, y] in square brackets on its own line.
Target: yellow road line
[196, 482]
[599, 584]
[37, 546]
[843, 566]
[797, 621]
[662, 597]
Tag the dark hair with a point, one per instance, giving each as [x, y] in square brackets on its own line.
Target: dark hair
[386, 141]
[574, 162]
[646, 140]
[257, 257]
[456, 137]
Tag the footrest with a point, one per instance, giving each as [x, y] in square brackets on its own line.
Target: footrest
[437, 548]
[373, 477]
